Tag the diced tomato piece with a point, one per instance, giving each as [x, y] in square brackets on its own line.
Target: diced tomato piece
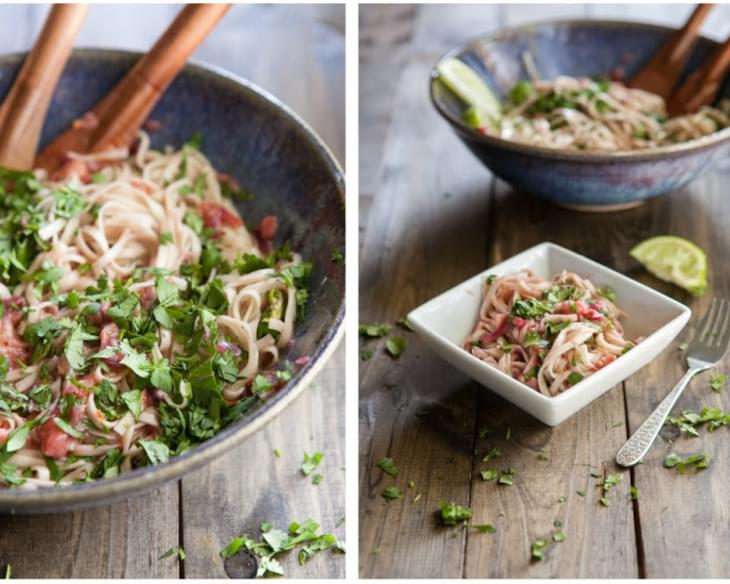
[216, 216]
[54, 441]
[603, 361]
[109, 335]
[12, 346]
[268, 227]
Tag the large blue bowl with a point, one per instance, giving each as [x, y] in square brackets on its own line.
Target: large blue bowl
[256, 139]
[584, 180]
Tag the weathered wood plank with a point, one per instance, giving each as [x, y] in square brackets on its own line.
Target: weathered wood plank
[600, 541]
[250, 485]
[679, 513]
[416, 228]
[124, 540]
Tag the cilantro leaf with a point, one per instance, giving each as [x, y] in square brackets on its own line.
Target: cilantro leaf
[74, 347]
[311, 462]
[374, 330]
[391, 493]
[388, 466]
[157, 452]
[717, 382]
[451, 513]
[395, 347]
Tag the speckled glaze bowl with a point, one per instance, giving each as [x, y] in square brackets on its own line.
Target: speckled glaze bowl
[583, 180]
[253, 137]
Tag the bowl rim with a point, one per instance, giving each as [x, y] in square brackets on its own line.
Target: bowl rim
[135, 482]
[566, 396]
[649, 154]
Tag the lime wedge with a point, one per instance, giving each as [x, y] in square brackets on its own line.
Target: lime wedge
[464, 82]
[674, 259]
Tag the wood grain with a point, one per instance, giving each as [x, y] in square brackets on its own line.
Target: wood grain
[124, 540]
[434, 217]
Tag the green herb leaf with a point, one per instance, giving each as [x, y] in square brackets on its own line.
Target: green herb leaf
[388, 466]
[395, 347]
[374, 330]
[391, 493]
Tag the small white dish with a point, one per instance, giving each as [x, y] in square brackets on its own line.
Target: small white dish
[447, 320]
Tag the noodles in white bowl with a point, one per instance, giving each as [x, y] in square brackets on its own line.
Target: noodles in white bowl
[548, 334]
[139, 314]
[570, 113]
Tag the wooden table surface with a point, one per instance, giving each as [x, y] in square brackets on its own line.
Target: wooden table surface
[432, 216]
[297, 53]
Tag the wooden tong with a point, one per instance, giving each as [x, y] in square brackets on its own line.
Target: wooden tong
[663, 70]
[24, 110]
[115, 120]
[702, 86]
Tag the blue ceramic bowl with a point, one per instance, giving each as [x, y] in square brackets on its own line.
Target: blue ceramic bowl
[584, 180]
[256, 139]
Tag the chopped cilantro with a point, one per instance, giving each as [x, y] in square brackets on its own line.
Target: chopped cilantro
[484, 528]
[174, 551]
[395, 347]
[488, 474]
[537, 549]
[156, 451]
[404, 323]
[388, 466]
[698, 461]
[311, 462]
[391, 493]
[717, 382]
[374, 330]
[451, 513]
[506, 477]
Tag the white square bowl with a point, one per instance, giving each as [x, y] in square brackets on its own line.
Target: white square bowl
[447, 320]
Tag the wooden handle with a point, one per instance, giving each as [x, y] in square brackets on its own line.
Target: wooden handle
[138, 93]
[684, 39]
[701, 87]
[117, 117]
[23, 112]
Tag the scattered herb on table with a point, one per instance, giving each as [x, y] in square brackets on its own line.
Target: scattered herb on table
[375, 330]
[559, 536]
[404, 323]
[395, 347]
[277, 453]
[311, 462]
[8, 572]
[484, 528]
[488, 474]
[366, 354]
[452, 514]
[683, 346]
[491, 453]
[543, 454]
[689, 421]
[317, 478]
[634, 492]
[174, 551]
[388, 466]
[274, 542]
[337, 256]
[508, 434]
[506, 477]
[391, 493]
[411, 484]
[581, 493]
[603, 501]
[698, 461]
[717, 382]
[562, 499]
[538, 548]
[611, 481]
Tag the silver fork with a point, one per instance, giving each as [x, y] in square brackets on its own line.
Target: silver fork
[708, 347]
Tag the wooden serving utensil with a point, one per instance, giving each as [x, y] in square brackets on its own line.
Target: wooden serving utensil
[701, 86]
[24, 110]
[663, 70]
[115, 120]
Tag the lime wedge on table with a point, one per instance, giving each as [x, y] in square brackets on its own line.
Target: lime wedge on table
[674, 259]
[464, 82]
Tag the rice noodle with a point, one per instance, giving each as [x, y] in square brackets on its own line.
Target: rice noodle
[547, 334]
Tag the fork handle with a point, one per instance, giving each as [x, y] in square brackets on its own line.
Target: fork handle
[641, 440]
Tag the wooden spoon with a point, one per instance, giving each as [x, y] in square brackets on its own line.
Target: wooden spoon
[701, 87]
[663, 70]
[115, 120]
[24, 110]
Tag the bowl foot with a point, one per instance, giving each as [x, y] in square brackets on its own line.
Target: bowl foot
[602, 208]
